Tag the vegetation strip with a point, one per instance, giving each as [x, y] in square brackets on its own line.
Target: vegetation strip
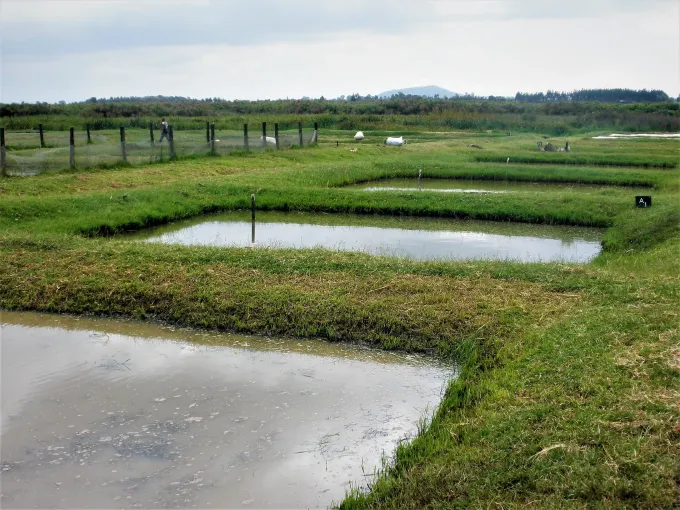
[570, 380]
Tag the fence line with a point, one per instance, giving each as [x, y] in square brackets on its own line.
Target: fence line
[24, 153]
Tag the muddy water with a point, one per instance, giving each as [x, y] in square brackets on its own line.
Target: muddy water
[415, 238]
[104, 414]
[473, 186]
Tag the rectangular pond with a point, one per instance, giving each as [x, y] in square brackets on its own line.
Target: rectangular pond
[111, 414]
[479, 186]
[407, 237]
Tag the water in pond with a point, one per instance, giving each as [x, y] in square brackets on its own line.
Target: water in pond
[103, 414]
[473, 186]
[416, 238]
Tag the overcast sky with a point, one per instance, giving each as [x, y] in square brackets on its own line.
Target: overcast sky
[52, 50]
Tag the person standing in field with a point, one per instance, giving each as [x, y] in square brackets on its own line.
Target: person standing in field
[164, 130]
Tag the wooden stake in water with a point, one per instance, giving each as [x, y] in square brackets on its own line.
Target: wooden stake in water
[300, 133]
[264, 135]
[72, 149]
[212, 138]
[123, 152]
[252, 205]
[245, 137]
[207, 132]
[3, 160]
[151, 133]
[42, 136]
[276, 134]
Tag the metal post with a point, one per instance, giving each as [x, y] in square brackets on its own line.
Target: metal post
[245, 137]
[212, 138]
[171, 141]
[300, 134]
[72, 149]
[3, 160]
[42, 136]
[276, 134]
[123, 152]
[151, 133]
[264, 135]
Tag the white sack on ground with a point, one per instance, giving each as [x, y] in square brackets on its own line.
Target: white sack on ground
[398, 142]
[270, 139]
[359, 135]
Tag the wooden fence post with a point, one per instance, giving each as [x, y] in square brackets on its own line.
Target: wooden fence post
[123, 152]
[89, 139]
[252, 208]
[42, 136]
[207, 132]
[264, 135]
[151, 133]
[212, 138]
[72, 149]
[171, 141]
[301, 143]
[3, 160]
[245, 137]
[276, 134]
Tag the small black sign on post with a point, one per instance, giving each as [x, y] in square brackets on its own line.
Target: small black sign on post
[643, 201]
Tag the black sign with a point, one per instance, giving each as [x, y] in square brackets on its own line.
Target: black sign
[641, 201]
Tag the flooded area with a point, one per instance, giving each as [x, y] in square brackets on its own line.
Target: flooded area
[473, 186]
[102, 414]
[407, 237]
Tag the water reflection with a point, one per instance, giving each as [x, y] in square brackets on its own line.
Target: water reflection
[415, 238]
[100, 413]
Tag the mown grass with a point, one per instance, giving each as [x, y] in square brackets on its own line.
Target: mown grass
[570, 381]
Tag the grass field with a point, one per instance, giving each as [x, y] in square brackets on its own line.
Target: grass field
[569, 389]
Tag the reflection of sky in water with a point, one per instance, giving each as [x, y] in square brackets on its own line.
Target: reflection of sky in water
[285, 428]
[414, 244]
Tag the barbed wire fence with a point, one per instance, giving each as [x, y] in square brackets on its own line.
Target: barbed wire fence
[34, 152]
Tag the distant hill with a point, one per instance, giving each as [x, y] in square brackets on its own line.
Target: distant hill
[427, 91]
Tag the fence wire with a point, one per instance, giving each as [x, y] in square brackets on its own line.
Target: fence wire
[26, 156]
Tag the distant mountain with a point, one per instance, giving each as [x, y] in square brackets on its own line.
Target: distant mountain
[428, 91]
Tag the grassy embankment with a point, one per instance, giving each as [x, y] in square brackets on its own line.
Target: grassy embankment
[570, 384]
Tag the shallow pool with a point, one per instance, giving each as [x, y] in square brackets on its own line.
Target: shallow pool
[111, 414]
[408, 237]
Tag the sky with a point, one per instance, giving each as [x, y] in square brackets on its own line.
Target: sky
[70, 50]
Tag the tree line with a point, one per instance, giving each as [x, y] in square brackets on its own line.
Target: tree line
[596, 95]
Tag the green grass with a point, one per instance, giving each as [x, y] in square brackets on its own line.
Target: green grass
[570, 381]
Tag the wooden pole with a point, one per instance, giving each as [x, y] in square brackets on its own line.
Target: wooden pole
[300, 142]
[264, 135]
[212, 138]
[245, 137]
[151, 133]
[123, 152]
[252, 208]
[276, 134]
[72, 149]
[207, 132]
[42, 136]
[89, 139]
[171, 141]
[3, 160]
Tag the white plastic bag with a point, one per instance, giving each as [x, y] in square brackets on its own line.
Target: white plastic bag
[270, 139]
[359, 136]
[397, 142]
